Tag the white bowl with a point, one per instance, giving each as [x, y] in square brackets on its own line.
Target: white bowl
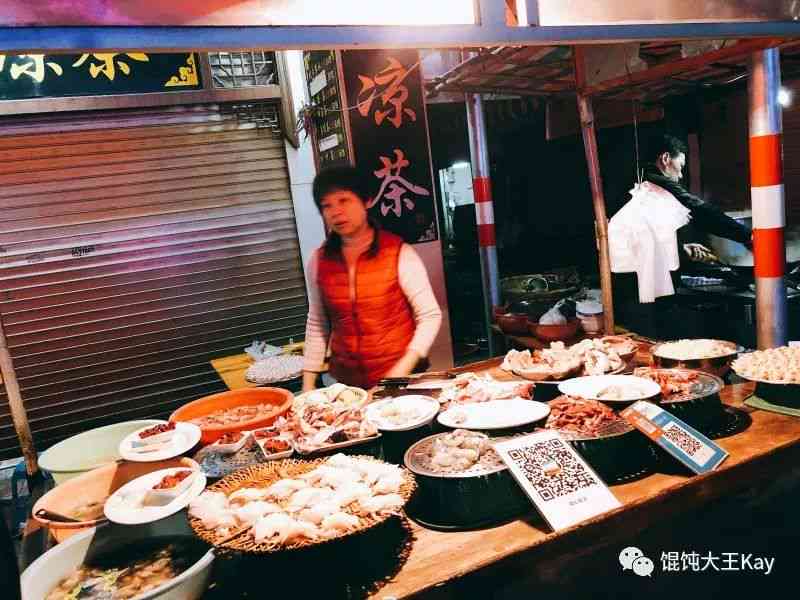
[88, 450]
[53, 566]
[426, 407]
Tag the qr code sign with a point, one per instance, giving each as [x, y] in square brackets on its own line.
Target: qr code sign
[552, 469]
[681, 438]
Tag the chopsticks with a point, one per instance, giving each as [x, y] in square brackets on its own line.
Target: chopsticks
[233, 536]
[400, 381]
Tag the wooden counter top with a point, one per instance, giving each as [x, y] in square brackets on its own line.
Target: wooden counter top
[768, 447]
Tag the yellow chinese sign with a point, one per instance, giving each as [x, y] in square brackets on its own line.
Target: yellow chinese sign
[30, 65]
[41, 75]
[104, 64]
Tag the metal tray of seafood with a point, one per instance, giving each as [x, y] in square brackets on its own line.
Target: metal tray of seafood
[701, 407]
[484, 495]
[418, 460]
[618, 453]
[362, 446]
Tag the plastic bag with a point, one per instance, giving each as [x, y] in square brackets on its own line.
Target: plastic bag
[261, 350]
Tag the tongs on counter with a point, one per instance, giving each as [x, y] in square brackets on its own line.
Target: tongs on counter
[416, 378]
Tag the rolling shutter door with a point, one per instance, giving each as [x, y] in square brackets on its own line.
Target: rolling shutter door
[137, 245]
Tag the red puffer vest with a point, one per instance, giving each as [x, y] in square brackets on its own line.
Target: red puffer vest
[371, 334]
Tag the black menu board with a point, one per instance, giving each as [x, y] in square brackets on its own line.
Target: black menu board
[390, 138]
[329, 134]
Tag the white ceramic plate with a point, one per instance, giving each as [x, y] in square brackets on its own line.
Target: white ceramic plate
[494, 414]
[125, 505]
[592, 387]
[185, 438]
[424, 409]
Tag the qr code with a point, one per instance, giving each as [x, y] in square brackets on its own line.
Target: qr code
[552, 469]
[682, 439]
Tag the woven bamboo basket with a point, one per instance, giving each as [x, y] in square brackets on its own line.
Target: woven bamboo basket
[264, 475]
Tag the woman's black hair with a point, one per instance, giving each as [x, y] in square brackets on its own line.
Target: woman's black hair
[337, 179]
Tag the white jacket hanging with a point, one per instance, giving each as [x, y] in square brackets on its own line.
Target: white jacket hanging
[642, 239]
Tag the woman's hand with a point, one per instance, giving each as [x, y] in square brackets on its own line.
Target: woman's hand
[405, 365]
[309, 381]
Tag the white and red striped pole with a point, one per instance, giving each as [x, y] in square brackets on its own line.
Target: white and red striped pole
[767, 196]
[484, 209]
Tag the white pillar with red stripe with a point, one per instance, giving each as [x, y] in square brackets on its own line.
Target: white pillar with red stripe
[484, 209]
[767, 196]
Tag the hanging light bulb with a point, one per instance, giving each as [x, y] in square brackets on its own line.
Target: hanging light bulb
[784, 97]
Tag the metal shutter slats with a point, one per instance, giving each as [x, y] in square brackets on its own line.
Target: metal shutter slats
[136, 246]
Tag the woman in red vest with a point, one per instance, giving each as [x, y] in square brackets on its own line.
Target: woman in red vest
[370, 299]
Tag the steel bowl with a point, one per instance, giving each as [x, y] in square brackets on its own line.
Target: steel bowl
[619, 454]
[483, 495]
[717, 365]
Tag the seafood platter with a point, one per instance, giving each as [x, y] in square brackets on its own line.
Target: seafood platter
[291, 504]
[711, 356]
[470, 387]
[597, 356]
[615, 450]
[329, 419]
[776, 372]
[462, 481]
[321, 421]
[692, 396]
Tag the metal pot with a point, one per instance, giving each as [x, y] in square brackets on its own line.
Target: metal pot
[718, 365]
[53, 566]
[479, 497]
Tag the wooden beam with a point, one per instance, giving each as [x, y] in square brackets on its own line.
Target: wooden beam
[741, 50]
[16, 406]
[595, 180]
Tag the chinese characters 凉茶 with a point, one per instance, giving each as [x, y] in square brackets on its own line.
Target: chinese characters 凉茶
[393, 94]
[107, 63]
[31, 65]
[394, 188]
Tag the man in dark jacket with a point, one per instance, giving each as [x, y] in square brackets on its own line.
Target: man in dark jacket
[666, 171]
[668, 155]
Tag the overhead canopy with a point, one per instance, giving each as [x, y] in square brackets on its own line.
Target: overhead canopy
[55, 25]
[648, 72]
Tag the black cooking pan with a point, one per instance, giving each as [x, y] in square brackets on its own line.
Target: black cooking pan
[742, 277]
